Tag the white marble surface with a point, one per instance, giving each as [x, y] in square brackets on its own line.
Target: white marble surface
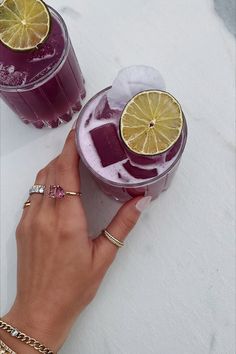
[172, 288]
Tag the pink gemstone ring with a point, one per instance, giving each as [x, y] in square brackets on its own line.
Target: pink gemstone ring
[57, 192]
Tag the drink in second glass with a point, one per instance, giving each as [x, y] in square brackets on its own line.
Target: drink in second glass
[119, 167]
[44, 86]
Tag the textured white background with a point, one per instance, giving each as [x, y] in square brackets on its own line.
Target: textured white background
[171, 290]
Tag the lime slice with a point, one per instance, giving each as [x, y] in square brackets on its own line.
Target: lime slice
[24, 24]
[151, 122]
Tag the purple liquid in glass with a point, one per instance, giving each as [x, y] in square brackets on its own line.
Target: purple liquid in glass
[119, 172]
[44, 86]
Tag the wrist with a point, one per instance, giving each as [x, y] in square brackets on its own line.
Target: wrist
[41, 326]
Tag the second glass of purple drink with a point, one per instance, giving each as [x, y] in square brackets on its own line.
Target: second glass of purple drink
[43, 86]
[119, 172]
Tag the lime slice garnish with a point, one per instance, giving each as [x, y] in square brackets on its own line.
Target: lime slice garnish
[151, 122]
[24, 24]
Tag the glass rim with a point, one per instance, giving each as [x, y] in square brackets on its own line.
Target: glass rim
[125, 185]
[54, 69]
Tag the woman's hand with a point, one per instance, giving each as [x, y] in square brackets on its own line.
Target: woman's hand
[59, 267]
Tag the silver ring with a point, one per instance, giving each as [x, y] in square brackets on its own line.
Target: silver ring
[37, 189]
[112, 239]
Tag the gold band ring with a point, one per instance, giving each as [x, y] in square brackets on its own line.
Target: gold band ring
[27, 204]
[112, 239]
[73, 194]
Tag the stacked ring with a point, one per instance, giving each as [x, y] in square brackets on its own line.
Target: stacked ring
[112, 239]
[55, 192]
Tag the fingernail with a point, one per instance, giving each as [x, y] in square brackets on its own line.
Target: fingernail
[74, 124]
[143, 204]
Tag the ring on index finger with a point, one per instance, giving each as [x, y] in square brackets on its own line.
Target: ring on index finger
[37, 189]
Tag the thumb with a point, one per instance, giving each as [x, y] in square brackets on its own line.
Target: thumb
[120, 226]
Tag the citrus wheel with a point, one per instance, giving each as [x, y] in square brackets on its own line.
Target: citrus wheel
[151, 122]
[24, 24]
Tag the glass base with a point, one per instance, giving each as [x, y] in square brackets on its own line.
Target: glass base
[124, 194]
[62, 119]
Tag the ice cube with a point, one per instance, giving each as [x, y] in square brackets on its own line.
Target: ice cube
[103, 110]
[107, 144]
[140, 173]
[11, 69]
[4, 76]
[18, 78]
[131, 81]
[10, 77]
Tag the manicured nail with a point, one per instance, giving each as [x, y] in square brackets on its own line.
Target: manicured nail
[143, 204]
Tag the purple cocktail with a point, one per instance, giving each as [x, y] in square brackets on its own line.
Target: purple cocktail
[44, 86]
[119, 172]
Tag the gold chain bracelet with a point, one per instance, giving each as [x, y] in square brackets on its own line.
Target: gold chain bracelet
[14, 332]
[4, 349]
